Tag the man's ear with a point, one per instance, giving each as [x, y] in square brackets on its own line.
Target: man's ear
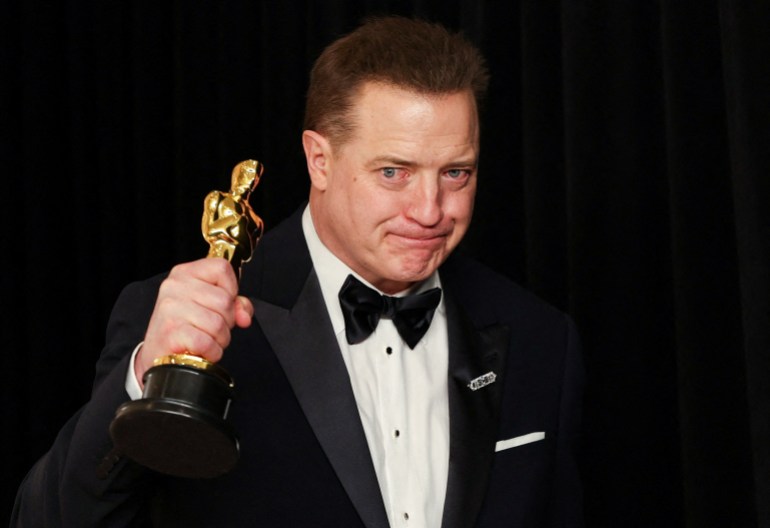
[318, 154]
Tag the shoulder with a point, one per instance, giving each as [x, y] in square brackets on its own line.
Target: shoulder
[488, 297]
[280, 264]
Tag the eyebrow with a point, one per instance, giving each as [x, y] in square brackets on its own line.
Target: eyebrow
[390, 160]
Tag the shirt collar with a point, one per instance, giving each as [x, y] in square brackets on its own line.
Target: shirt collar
[332, 272]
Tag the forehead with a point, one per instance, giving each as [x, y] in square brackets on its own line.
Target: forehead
[386, 114]
[394, 101]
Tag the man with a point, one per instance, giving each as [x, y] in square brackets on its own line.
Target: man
[470, 419]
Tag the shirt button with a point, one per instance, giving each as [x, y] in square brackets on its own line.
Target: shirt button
[396, 433]
[388, 351]
[406, 516]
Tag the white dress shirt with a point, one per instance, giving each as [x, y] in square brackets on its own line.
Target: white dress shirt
[401, 396]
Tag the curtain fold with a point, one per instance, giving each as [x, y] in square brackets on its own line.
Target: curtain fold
[745, 46]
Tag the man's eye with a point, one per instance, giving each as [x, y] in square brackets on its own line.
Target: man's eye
[390, 172]
[457, 173]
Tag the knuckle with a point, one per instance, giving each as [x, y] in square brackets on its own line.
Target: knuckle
[221, 264]
[219, 325]
[178, 270]
[216, 354]
[164, 304]
[202, 344]
[220, 302]
[166, 287]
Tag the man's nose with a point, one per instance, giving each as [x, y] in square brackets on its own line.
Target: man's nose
[425, 202]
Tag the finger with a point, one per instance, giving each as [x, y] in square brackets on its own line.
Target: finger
[244, 311]
[192, 340]
[216, 271]
[177, 294]
[184, 315]
[183, 340]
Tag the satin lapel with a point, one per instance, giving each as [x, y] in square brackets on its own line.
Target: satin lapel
[309, 354]
[473, 414]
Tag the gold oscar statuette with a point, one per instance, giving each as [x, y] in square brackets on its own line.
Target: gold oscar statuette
[179, 427]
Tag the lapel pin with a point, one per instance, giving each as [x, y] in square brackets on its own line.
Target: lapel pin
[482, 381]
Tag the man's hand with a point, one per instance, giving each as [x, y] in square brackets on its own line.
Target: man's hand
[197, 306]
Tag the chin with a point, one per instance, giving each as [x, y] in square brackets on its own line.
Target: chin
[412, 271]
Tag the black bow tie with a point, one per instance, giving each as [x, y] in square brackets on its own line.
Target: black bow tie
[362, 308]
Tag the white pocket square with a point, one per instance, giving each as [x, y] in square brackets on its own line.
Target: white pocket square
[517, 441]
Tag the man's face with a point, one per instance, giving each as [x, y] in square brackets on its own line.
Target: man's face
[394, 200]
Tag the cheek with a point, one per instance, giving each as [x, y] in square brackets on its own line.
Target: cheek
[460, 207]
[373, 209]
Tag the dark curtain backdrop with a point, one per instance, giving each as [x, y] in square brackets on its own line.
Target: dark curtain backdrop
[625, 178]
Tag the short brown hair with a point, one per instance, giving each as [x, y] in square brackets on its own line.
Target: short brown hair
[406, 53]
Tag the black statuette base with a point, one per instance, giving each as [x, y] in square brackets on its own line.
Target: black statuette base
[179, 426]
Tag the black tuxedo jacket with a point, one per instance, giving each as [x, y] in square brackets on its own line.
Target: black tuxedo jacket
[304, 457]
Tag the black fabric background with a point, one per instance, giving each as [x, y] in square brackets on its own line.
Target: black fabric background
[625, 177]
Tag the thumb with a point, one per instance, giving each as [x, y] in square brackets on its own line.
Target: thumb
[244, 311]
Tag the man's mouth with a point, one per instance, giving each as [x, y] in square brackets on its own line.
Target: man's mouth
[421, 240]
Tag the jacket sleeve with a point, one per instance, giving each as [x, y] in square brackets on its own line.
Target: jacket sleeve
[64, 489]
